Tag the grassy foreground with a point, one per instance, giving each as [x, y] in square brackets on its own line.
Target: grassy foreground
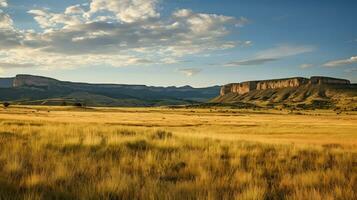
[57, 153]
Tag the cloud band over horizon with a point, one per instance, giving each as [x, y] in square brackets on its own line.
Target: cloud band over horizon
[115, 33]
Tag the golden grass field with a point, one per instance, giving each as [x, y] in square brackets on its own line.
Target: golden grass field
[162, 153]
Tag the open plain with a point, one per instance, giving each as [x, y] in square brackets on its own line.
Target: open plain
[181, 153]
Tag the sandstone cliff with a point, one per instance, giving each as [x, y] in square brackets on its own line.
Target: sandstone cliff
[249, 86]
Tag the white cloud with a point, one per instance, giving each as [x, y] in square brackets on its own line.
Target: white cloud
[5, 21]
[273, 54]
[282, 51]
[190, 71]
[304, 66]
[76, 9]
[253, 61]
[53, 20]
[3, 3]
[200, 23]
[342, 62]
[9, 37]
[113, 32]
[27, 57]
[248, 43]
[242, 22]
[41, 17]
[127, 11]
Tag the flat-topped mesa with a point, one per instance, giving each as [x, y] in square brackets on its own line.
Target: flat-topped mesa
[246, 87]
[29, 80]
[328, 80]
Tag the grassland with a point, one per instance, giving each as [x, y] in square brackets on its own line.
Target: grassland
[153, 153]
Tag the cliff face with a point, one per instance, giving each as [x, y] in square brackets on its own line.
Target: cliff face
[246, 87]
[328, 80]
[281, 83]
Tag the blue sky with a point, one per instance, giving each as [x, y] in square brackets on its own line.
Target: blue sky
[178, 42]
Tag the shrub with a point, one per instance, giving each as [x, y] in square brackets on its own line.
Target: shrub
[6, 104]
[78, 104]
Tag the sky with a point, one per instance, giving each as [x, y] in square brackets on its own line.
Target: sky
[178, 42]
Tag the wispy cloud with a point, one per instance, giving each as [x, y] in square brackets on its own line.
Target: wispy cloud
[282, 51]
[341, 62]
[304, 66]
[4, 66]
[190, 71]
[247, 43]
[254, 61]
[273, 54]
[16, 65]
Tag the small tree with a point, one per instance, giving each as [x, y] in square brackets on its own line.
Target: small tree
[6, 104]
[77, 104]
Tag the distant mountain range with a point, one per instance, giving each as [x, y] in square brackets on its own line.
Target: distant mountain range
[37, 90]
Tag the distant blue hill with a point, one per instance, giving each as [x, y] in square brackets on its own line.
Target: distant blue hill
[29, 89]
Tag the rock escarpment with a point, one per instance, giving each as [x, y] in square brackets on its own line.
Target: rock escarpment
[249, 86]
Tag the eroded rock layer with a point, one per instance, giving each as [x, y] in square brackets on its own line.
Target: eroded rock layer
[246, 87]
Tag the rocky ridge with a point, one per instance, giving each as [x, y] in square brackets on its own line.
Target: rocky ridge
[295, 82]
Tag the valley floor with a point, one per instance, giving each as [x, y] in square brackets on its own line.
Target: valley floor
[163, 153]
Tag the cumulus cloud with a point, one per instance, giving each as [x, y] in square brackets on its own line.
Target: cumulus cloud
[273, 54]
[3, 3]
[114, 32]
[9, 37]
[190, 71]
[76, 9]
[127, 10]
[53, 20]
[5, 21]
[342, 62]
